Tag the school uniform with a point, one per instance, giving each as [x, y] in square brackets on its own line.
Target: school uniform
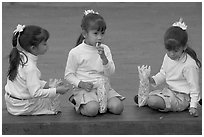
[182, 78]
[25, 95]
[84, 64]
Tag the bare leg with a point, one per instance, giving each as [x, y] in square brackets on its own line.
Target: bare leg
[156, 102]
[90, 109]
[115, 105]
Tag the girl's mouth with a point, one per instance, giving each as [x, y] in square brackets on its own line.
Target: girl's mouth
[98, 44]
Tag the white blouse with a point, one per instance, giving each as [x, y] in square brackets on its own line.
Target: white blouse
[84, 63]
[181, 75]
[27, 84]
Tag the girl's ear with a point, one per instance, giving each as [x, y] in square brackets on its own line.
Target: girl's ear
[84, 33]
[33, 49]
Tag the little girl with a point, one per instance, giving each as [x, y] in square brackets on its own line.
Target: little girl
[25, 93]
[88, 66]
[180, 70]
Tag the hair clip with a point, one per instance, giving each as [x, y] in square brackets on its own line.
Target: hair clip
[86, 12]
[19, 28]
[180, 24]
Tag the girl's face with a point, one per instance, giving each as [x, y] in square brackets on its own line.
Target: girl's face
[93, 36]
[40, 49]
[175, 54]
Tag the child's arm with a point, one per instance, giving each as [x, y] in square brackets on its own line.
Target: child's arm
[34, 85]
[151, 81]
[108, 64]
[40, 88]
[70, 70]
[192, 76]
[160, 77]
[46, 85]
[71, 67]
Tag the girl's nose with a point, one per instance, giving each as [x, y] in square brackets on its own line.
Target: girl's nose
[99, 37]
[171, 54]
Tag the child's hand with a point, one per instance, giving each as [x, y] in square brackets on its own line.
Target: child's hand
[102, 54]
[62, 89]
[88, 86]
[193, 112]
[53, 82]
[46, 86]
[151, 81]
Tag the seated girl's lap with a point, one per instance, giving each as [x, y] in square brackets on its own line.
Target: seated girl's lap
[173, 101]
[83, 97]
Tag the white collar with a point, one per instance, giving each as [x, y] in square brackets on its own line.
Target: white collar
[89, 46]
[30, 56]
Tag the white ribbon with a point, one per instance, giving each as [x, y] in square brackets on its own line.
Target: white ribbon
[180, 24]
[19, 28]
[86, 12]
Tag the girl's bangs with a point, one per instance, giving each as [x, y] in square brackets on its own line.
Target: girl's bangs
[44, 35]
[172, 45]
[99, 25]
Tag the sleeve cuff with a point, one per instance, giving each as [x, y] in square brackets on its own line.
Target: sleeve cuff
[193, 104]
[52, 92]
[77, 83]
[154, 85]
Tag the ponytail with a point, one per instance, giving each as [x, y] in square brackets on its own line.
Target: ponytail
[80, 40]
[193, 54]
[14, 58]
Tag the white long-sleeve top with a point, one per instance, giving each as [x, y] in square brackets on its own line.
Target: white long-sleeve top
[181, 75]
[27, 84]
[84, 64]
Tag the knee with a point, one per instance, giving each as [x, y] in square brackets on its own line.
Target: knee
[115, 106]
[155, 102]
[90, 109]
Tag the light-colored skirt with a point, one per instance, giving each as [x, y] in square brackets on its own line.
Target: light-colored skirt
[36, 106]
[80, 96]
[174, 101]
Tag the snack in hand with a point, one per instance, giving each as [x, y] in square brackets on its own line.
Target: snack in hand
[144, 73]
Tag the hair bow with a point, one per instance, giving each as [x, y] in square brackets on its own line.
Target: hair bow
[19, 28]
[180, 24]
[86, 12]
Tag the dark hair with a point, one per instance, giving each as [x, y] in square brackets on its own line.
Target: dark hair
[30, 36]
[175, 37]
[91, 21]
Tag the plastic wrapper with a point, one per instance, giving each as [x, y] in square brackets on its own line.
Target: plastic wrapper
[102, 88]
[143, 92]
[53, 83]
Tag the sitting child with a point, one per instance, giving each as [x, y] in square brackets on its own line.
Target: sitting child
[180, 70]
